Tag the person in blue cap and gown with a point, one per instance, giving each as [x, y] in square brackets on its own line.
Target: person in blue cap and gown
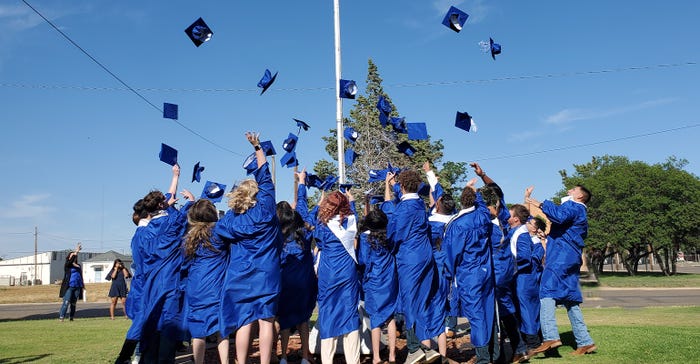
[469, 258]
[419, 281]
[529, 269]
[252, 282]
[560, 278]
[206, 257]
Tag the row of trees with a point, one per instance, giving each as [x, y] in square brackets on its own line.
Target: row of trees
[637, 209]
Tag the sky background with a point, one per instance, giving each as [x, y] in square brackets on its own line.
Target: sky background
[575, 80]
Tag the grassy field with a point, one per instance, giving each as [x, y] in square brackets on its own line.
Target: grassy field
[96, 292]
[622, 280]
[649, 335]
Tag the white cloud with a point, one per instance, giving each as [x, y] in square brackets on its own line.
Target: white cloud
[27, 206]
[570, 115]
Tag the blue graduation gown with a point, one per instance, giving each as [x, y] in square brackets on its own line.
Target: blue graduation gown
[504, 271]
[560, 278]
[419, 282]
[379, 282]
[205, 277]
[446, 298]
[252, 283]
[529, 263]
[162, 293]
[299, 284]
[469, 256]
[134, 302]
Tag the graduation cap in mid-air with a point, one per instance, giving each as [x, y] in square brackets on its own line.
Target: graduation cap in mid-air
[290, 143]
[351, 134]
[350, 156]
[417, 131]
[348, 89]
[199, 32]
[329, 183]
[197, 172]
[268, 148]
[250, 164]
[465, 122]
[313, 180]
[345, 186]
[266, 81]
[406, 148]
[213, 191]
[399, 125]
[168, 154]
[383, 119]
[289, 160]
[169, 111]
[455, 19]
[490, 47]
[376, 175]
[301, 125]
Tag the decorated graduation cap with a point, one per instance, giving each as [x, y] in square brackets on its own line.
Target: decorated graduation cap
[266, 81]
[350, 156]
[406, 148]
[465, 122]
[399, 125]
[197, 172]
[168, 154]
[455, 19]
[348, 89]
[289, 160]
[329, 182]
[290, 143]
[268, 148]
[213, 191]
[417, 131]
[490, 47]
[251, 163]
[313, 180]
[199, 32]
[351, 134]
[301, 125]
[169, 111]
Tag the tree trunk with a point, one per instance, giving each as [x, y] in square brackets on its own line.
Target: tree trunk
[661, 261]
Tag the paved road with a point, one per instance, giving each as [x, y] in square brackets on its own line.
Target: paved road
[600, 297]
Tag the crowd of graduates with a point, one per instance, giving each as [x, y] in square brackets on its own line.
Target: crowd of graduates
[199, 274]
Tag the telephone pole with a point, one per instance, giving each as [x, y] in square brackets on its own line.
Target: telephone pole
[36, 237]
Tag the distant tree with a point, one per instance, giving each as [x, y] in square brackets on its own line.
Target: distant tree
[638, 209]
[377, 145]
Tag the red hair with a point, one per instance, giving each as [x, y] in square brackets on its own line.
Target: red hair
[334, 204]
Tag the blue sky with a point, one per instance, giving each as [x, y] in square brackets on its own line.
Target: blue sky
[78, 149]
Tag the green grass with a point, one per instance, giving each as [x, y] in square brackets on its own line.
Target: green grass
[647, 279]
[647, 335]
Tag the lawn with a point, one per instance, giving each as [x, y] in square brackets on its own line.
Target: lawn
[96, 292]
[648, 335]
[648, 279]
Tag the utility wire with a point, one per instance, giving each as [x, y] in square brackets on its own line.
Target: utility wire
[122, 81]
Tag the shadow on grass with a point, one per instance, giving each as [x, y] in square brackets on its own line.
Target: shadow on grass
[23, 359]
[86, 313]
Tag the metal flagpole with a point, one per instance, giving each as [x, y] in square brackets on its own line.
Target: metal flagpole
[338, 100]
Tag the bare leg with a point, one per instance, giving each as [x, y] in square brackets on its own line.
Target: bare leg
[112, 306]
[391, 337]
[199, 347]
[223, 350]
[284, 341]
[426, 343]
[442, 344]
[304, 336]
[124, 305]
[376, 337]
[242, 343]
[266, 339]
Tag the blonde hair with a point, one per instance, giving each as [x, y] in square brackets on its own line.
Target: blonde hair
[243, 197]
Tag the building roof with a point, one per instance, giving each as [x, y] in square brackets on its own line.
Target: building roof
[110, 256]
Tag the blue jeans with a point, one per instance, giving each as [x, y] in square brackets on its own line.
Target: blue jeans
[69, 297]
[549, 322]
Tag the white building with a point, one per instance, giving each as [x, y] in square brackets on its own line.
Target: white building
[96, 268]
[49, 268]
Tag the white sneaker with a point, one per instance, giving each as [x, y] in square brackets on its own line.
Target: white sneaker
[431, 355]
[136, 360]
[415, 357]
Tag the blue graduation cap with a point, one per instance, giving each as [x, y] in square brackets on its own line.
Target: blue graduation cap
[350, 156]
[290, 143]
[329, 182]
[268, 148]
[455, 19]
[345, 186]
[495, 48]
[417, 131]
[383, 119]
[289, 160]
[197, 172]
[213, 191]
[376, 175]
[168, 154]
[464, 121]
[313, 180]
[399, 125]
[406, 148]
[424, 189]
[375, 199]
[251, 163]
[351, 134]
[383, 105]
[199, 32]
[169, 111]
[266, 81]
[348, 89]
[301, 125]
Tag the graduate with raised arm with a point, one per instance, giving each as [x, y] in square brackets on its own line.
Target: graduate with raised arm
[560, 278]
[252, 283]
[469, 257]
[409, 234]
[299, 286]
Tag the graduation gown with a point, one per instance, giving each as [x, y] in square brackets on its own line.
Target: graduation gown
[134, 302]
[252, 283]
[529, 263]
[379, 281]
[299, 287]
[560, 278]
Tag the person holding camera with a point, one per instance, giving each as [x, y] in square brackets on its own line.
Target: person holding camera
[72, 284]
[118, 290]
